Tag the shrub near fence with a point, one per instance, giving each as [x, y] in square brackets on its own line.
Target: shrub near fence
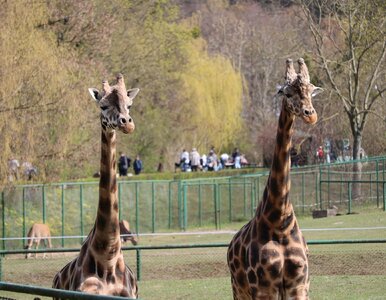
[154, 206]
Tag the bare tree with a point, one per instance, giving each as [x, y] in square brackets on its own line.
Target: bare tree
[350, 42]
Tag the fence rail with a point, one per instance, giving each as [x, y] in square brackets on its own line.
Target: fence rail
[177, 263]
[49, 292]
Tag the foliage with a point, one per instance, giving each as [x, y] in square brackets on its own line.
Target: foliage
[38, 92]
[349, 37]
[214, 94]
[207, 72]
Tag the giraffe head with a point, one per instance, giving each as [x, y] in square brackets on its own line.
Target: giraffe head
[115, 102]
[298, 92]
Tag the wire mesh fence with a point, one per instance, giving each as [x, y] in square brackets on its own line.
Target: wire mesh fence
[155, 206]
[188, 271]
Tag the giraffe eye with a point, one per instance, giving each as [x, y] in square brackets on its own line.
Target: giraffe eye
[104, 107]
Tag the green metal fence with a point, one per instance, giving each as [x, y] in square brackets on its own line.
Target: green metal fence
[343, 186]
[188, 270]
[155, 206]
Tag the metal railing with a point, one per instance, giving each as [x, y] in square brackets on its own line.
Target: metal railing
[319, 259]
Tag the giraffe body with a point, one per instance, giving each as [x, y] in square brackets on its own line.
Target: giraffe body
[36, 234]
[100, 268]
[268, 256]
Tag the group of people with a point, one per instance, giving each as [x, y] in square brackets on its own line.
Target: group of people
[192, 162]
[26, 169]
[124, 163]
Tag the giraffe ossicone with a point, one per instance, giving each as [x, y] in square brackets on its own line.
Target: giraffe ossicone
[268, 256]
[100, 268]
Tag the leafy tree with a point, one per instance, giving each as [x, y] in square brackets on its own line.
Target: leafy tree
[214, 93]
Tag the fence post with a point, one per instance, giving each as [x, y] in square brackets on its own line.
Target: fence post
[341, 187]
[170, 210]
[3, 218]
[185, 207]
[120, 201]
[136, 208]
[180, 213]
[199, 204]
[153, 206]
[320, 188]
[328, 186]
[371, 187]
[230, 199]
[316, 189]
[384, 196]
[215, 204]
[62, 215]
[24, 213]
[257, 193]
[44, 202]
[377, 178]
[303, 201]
[81, 210]
[245, 199]
[1, 267]
[349, 197]
[139, 264]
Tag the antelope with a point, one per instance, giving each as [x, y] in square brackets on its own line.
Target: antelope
[37, 233]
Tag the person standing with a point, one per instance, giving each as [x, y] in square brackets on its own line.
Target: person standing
[137, 165]
[194, 160]
[320, 154]
[184, 162]
[13, 166]
[123, 164]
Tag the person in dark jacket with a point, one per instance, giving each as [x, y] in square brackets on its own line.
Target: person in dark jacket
[137, 165]
[123, 164]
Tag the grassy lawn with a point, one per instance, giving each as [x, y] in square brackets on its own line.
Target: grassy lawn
[353, 271]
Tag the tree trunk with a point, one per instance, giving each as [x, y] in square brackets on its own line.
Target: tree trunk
[357, 166]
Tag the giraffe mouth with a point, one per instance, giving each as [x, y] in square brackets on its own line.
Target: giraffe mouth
[310, 119]
[127, 128]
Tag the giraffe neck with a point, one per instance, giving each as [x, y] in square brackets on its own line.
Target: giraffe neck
[106, 238]
[275, 204]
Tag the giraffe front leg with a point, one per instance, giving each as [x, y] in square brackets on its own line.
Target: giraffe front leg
[298, 293]
[91, 285]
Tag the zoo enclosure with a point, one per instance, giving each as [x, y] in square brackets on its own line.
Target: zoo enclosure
[155, 206]
[349, 258]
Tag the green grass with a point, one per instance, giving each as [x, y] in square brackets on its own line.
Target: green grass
[353, 271]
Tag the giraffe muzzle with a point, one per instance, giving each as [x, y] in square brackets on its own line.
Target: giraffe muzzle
[309, 115]
[126, 125]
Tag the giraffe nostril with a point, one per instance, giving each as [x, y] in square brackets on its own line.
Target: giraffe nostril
[122, 121]
[130, 120]
[308, 112]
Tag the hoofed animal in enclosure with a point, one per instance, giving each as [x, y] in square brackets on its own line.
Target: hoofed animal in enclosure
[268, 257]
[100, 267]
[36, 234]
[126, 233]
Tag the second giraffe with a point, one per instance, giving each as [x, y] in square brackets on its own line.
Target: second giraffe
[268, 257]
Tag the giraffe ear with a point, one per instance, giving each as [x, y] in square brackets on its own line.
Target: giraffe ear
[316, 91]
[132, 93]
[95, 94]
[279, 89]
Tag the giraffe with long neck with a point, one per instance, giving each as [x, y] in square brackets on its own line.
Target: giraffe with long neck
[100, 268]
[268, 256]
